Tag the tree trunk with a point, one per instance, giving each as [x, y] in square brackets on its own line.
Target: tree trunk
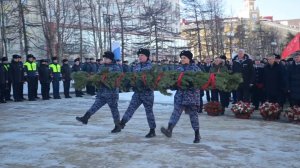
[21, 13]
[3, 32]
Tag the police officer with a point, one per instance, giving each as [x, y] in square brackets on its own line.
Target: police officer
[8, 79]
[36, 82]
[76, 68]
[31, 73]
[23, 79]
[66, 77]
[2, 83]
[106, 95]
[45, 78]
[145, 97]
[293, 80]
[16, 74]
[56, 77]
[188, 100]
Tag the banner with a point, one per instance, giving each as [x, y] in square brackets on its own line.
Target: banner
[293, 46]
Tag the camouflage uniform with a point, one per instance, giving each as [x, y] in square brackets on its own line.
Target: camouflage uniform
[109, 96]
[188, 100]
[145, 97]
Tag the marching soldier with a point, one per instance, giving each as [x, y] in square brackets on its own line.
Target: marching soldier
[145, 97]
[56, 77]
[106, 95]
[188, 100]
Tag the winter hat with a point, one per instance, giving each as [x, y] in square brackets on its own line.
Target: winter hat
[223, 57]
[43, 60]
[4, 59]
[29, 56]
[15, 56]
[65, 60]
[54, 58]
[110, 55]
[144, 51]
[77, 59]
[277, 56]
[187, 54]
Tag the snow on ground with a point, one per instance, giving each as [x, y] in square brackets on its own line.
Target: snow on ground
[46, 134]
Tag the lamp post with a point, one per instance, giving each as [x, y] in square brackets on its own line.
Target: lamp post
[108, 19]
[230, 35]
[273, 44]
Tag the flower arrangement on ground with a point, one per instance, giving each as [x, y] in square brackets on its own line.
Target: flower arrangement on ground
[242, 110]
[270, 111]
[213, 108]
[293, 114]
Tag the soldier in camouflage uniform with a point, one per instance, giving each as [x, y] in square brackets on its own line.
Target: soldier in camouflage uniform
[105, 95]
[145, 97]
[185, 100]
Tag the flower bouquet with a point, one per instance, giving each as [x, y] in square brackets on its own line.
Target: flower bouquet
[213, 108]
[270, 111]
[242, 110]
[293, 114]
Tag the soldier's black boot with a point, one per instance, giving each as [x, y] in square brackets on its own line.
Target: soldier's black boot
[151, 133]
[167, 132]
[122, 124]
[197, 136]
[84, 119]
[116, 129]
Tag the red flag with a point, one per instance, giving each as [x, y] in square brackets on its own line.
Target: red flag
[293, 46]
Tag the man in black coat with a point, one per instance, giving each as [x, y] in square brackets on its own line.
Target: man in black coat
[45, 79]
[66, 77]
[6, 67]
[2, 83]
[293, 80]
[273, 81]
[206, 68]
[16, 73]
[76, 68]
[244, 65]
[257, 89]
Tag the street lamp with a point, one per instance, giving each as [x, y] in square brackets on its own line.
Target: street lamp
[273, 44]
[230, 35]
[108, 19]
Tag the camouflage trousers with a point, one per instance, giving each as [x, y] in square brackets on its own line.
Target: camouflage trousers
[191, 110]
[111, 100]
[146, 98]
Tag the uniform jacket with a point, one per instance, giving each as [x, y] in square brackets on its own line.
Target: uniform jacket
[188, 97]
[66, 72]
[44, 73]
[140, 67]
[273, 79]
[16, 72]
[111, 68]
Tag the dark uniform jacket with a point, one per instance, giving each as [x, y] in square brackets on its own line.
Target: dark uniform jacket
[245, 67]
[16, 72]
[44, 73]
[66, 72]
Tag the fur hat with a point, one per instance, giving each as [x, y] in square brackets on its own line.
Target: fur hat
[110, 55]
[187, 54]
[144, 51]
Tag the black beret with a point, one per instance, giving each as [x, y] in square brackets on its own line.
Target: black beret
[4, 59]
[187, 54]
[144, 51]
[110, 55]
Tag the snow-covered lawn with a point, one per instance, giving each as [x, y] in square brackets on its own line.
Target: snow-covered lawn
[46, 134]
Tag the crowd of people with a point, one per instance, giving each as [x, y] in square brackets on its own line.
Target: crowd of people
[264, 79]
